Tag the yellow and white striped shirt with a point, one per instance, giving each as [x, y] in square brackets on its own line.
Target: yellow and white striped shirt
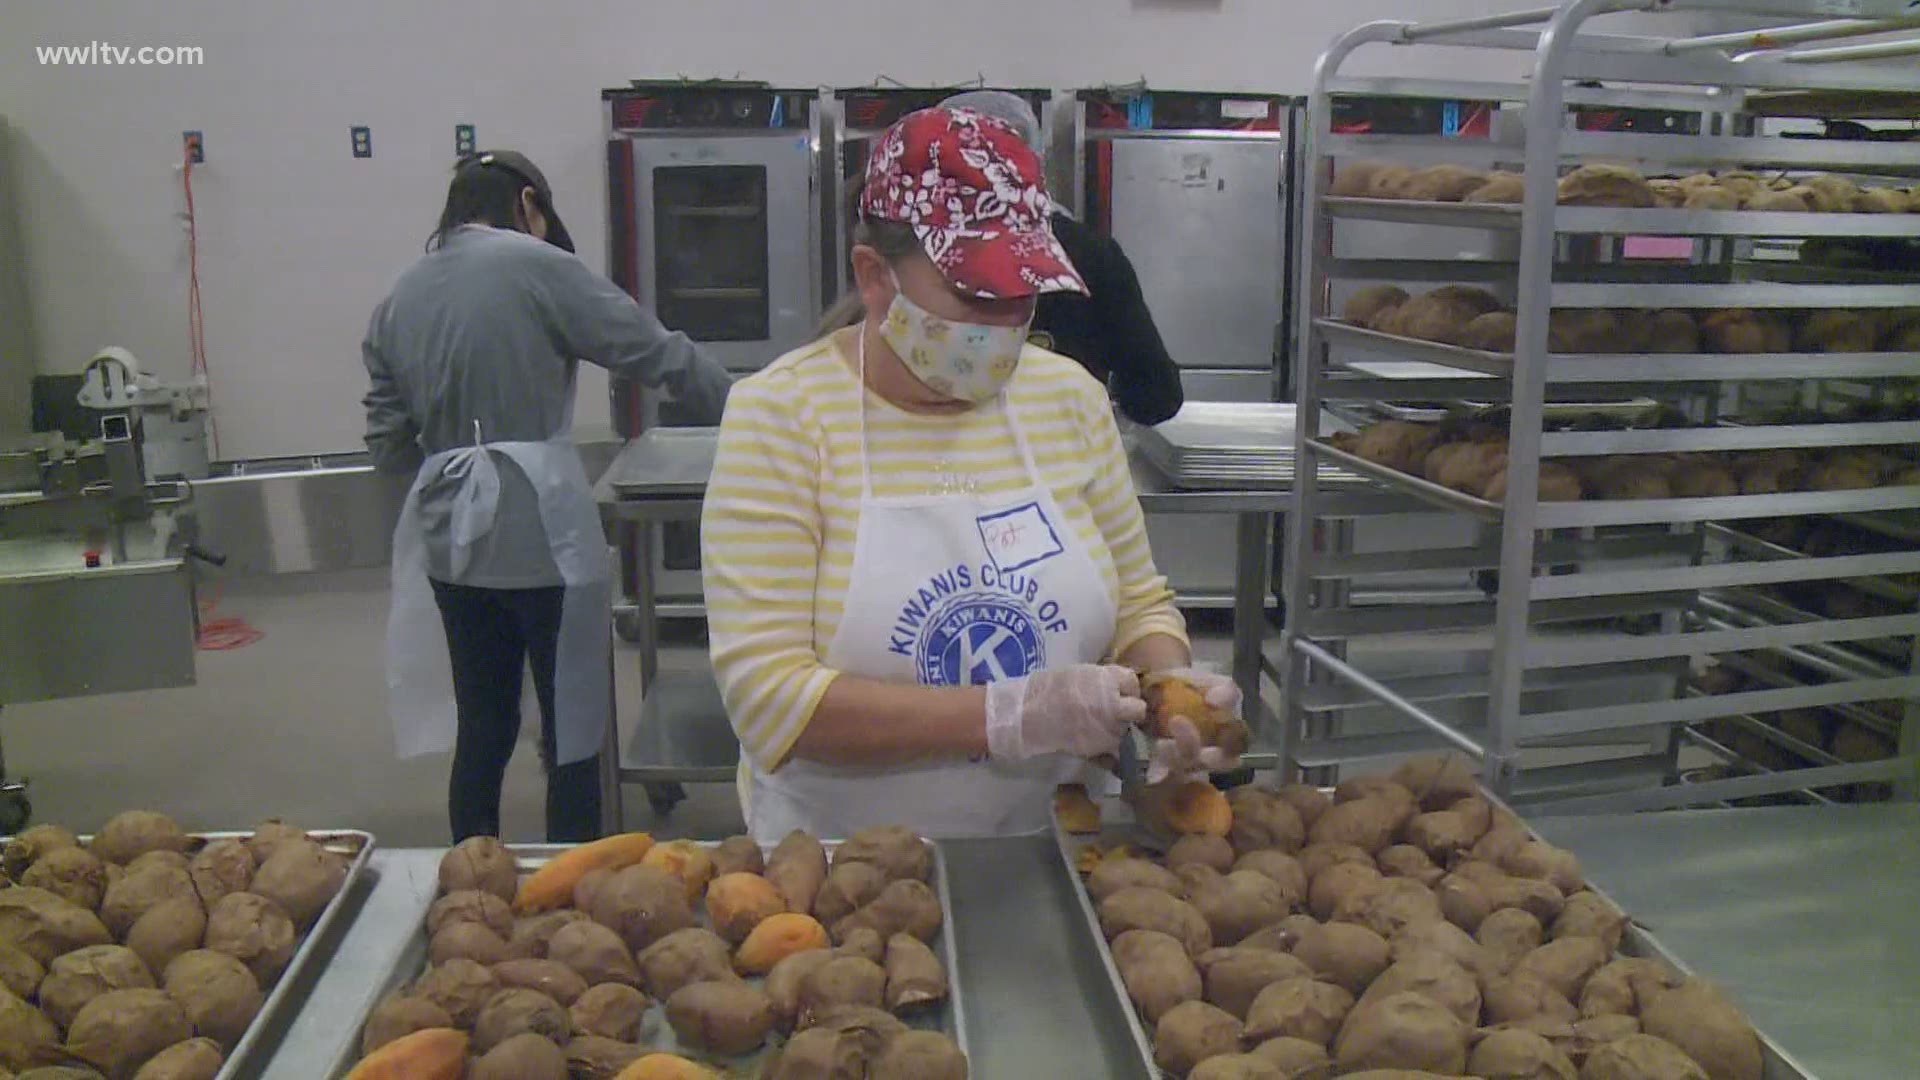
[777, 532]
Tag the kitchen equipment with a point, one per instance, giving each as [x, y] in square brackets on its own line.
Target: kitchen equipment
[1195, 187]
[857, 116]
[715, 226]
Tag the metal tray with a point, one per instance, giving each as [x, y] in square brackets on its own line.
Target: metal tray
[1650, 221]
[656, 1035]
[1776, 1064]
[665, 461]
[248, 1054]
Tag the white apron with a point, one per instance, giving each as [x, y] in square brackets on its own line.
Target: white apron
[419, 671]
[949, 590]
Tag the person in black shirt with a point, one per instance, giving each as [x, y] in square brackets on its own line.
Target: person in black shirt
[1109, 332]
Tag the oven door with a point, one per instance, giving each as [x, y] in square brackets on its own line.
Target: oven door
[725, 226]
[1202, 220]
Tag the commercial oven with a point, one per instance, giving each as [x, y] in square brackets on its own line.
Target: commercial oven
[1197, 189]
[715, 225]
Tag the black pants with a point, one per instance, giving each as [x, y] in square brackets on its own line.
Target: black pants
[490, 634]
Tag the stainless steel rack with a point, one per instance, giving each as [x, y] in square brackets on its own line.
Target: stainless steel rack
[1591, 594]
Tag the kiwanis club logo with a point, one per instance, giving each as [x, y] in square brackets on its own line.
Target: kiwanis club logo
[979, 638]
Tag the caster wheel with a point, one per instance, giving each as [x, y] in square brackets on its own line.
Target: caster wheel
[627, 625]
[664, 797]
[15, 812]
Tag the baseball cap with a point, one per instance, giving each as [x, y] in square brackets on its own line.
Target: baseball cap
[523, 167]
[975, 196]
[998, 103]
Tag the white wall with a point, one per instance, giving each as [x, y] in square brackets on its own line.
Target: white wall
[298, 240]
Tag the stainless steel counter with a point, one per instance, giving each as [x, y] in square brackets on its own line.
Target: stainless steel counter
[1808, 916]
[1037, 1000]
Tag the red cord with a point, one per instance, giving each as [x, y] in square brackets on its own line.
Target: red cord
[196, 322]
[223, 635]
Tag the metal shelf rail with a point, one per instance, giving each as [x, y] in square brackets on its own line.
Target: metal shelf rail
[1542, 682]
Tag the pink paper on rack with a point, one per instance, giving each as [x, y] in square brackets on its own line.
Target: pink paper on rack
[1657, 247]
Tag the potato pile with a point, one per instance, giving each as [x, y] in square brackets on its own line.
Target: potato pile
[146, 952]
[1474, 318]
[557, 974]
[1471, 457]
[1402, 923]
[1620, 186]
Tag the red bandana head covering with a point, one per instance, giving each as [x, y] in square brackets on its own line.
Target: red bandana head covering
[975, 196]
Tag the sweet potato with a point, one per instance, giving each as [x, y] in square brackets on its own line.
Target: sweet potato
[428, 1054]
[1150, 909]
[1565, 965]
[683, 958]
[906, 904]
[1239, 904]
[1334, 885]
[848, 888]
[685, 860]
[736, 903]
[1434, 976]
[1637, 1057]
[1192, 1032]
[1368, 824]
[610, 1011]
[738, 855]
[1188, 808]
[1112, 875]
[1696, 1018]
[1299, 1009]
[1511, 998]
[1307, 801]
[797, 867]
[666, 1067]
[895, 849]
[1347, 955]
[1280, 868]
[777, 938]
[725, 1018]
[1509, 934]
[1402, 1031]
[1263, 820]
[1520, 1054]
[1587, 915]
[1202, 848]
[551, 886]
[1407, 861]
[1233, 977]
[642, 904]
[398, 1015]
[915, 977]
[1625, 986]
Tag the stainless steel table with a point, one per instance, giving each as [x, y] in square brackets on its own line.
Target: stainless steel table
[1038, 1002]
[682, 732]
[1808, 916]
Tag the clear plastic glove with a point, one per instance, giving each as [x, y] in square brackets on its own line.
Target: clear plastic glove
[1184, 756]
[1084, 710]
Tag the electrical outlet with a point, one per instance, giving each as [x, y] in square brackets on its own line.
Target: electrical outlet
[362, 141]
[463, 143]
[196, 146]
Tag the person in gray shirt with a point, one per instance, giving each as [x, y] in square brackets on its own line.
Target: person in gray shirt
[478, 342]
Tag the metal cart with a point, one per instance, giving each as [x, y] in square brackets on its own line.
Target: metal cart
[1646, 579]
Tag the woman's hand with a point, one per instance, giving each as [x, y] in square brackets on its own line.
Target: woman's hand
[1084, 710]
[1184, 756]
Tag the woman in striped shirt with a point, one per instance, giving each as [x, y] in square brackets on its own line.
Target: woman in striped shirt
[927, 577]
